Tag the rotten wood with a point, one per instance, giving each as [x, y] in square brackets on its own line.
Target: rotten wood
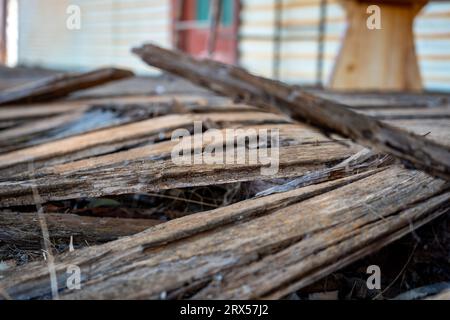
[215, 12]
[61, 85]
[150, 172]
[23, 231]
[259, 248]
[125, 136]
[328, 116]
[444, 295]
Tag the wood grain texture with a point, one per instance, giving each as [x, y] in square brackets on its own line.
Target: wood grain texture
[292, 239]
[335, 202]
[24, 232]
[120, 137]
[61, 85]
[326, 115]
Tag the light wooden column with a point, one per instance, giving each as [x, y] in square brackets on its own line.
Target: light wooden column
[382, 59]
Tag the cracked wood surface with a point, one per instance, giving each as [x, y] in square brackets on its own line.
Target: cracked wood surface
[343, 204]
[257, 248]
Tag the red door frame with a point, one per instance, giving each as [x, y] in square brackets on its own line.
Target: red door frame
[193, 38]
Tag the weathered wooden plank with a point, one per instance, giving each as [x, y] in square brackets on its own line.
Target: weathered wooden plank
[101, 113]
[437, 129]
[289, 135]
[111, 139]
[361, 161]
[328, 251]
[61, 85]
[385, 100]
[35, 111]
[42, 110]
[24, 232]
[7, 124]
[445, 295]
[64, 147]
[306, 233]
[30, 128]
[141, 175]
[331, 117]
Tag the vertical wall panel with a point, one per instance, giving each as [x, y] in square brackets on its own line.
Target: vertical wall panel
[109, 29]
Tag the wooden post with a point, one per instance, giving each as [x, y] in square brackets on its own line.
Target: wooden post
[379, 59]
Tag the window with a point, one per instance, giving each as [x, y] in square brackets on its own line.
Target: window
[203, 8]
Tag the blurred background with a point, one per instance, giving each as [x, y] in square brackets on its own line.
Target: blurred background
[296, 41]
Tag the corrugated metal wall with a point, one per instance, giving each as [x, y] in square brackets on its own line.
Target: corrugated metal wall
[109, 28]
[299, 44]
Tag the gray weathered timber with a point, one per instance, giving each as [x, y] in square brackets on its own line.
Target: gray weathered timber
[61, 85]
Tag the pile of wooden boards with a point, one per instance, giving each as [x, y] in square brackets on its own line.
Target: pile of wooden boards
[332, 202]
